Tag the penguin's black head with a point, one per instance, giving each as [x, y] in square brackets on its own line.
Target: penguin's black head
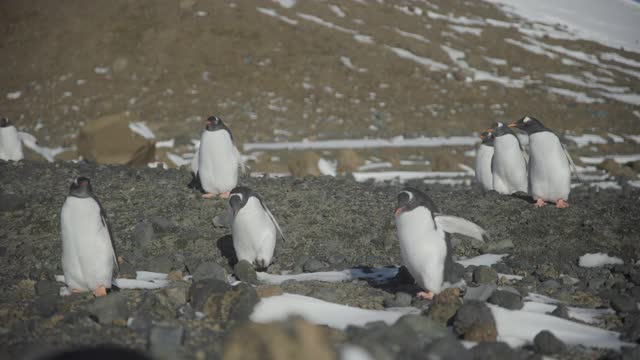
[487, 138]
[4, 122]
[410, 198]
[529, 124]
[214, 123]
[238, 198]
[499, 129]
[81, 187]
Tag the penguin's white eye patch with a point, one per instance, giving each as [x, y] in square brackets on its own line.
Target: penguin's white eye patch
[527, 119]
[500, 124]
[238, 195]
[409, 194]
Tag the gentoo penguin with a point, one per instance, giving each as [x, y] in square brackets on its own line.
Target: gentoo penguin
[549, 164]
[423, 243]
[253, 227]
[218, 159]
[484, 155]
[88, 254]
[508, 165]
[10, 144]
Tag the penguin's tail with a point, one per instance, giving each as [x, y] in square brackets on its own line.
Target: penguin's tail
[458, 225]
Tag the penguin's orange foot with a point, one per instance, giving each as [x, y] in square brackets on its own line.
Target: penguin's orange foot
[100, 291]
[224, 195]
[540, 203]
[425, 295]
[208, 195]
[561, 204]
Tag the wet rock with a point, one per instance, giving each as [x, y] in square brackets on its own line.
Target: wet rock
[142, 234]
[284, 340]
[233, 305]
[445, 305]
[502, 268]
[245, 271]
[109, 309]
[108, 140]
[622, 303]
[47, 287]
[401, 299]
[492, 350]
[631, 353]
[484, 275]
[313, 265]
[303, 164]
[165, 341]
[474, 322]
[348, 161]
[568, 280]
[448, 348]
[209, 270]
[507, 300]
[480, 293]
[11, 202]
[624, 269]
[546, 343]
[561, 311]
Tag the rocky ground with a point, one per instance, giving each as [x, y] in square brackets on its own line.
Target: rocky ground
[331, 224]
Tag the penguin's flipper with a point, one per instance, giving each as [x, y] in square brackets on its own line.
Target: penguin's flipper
[105, 223]
[572, 165]
[27, 138]
[456, 225]
[241, 164]
[194, 161]
[273, 219]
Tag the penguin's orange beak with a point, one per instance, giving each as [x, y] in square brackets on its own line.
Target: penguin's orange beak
[514, 125]
[398, 212]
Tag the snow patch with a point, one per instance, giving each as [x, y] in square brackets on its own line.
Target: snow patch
[575, 95]
[141, 129]
[586, 139]
[395, 142]
[485, 259]
[598, 260]
[14, 95]
[273, 13]
[327, 167]
[406, 54]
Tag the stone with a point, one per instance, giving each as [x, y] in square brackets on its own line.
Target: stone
[401, 299]
[595, 283]
[46, 305]
[231, 306]
[313, 265]
[635, 277]
[624, 269]
[11, 202]
[546, 343]
[108, 140]
[424, 327]
[304, 164]
[269, 290]
[348, 161]
[142, 234]
[165, 341]
[209, 270]
[635, 292]
[47, 287]
[474, 322]
[631, 353]
[176, 293]
[162, 224]
[447, 348]
[480, 293]
[202, 289]
[507, 300]
[568, 280]
[561, 311]
[161, 263]
[337, 259]
[617, 170]
[444, 306]
[109, 309]
[245, 271]
[492, 350]
[278, 340]
[622, 303]
[632, 333]
[550, 284]
[484, 275]
[497, 246]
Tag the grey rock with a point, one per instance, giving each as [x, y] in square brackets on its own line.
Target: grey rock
[201, 290]
[425, 328]
[550, 284]
[313, 265]
[46, 305]
[496, 247]
[507, 300]
[110, 308]
[245, 271]
[176, 294]
[631, 353]
[632, 333]
[510, 289]
[568, 280]
[546, 343]
[474, 322]
[165, 342]
[142, 234]
[448, 348]
[484, 275]
[11, 202]
[596, 283]
[141, 322]
[209, 270]
[622, 303]
[480, 293]
[401, 299]
[635, 292]
[47, 287]
[336, 259]
[502, 268]
[635, 277]
[162, 263]
[624, 269]
[490, 350]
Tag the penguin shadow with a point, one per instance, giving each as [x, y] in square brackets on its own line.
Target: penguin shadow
[523, 196]
[225, 245]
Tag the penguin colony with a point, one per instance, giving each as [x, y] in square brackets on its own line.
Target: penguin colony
[89, 256]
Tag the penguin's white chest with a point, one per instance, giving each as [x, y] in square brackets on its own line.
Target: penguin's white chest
[508, 166]
[254, 234]
[87, 252]
[549, 172]
[10, 144]
[423, 247]
[484, 176]
[217, 162]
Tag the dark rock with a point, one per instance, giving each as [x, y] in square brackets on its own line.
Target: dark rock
[313, 265]
[47, 287]
[233, 305]
[480, 293]
[546, 343]
[209, 270]
[502, 268]
[142, 234]
[165, 342]
[624, 269]
[201, 290]
[245, 271]
[507, 300]
[444, 306]
[109, 309]
[635, 292]
[46, 305]
[492, 350]
[550, 284]
[401, 299]
[141, 322]
[631, 353]
[11, 202]
[622, 303]
[474, 322]
[3, 251]
[635, 277]
[498, 246]
[448, 348]
[484, 275]
[561, 311]
[422, 326]
[632, 333]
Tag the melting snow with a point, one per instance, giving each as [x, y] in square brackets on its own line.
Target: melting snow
[633, 99]
[406, 54]
[165, 143]
[286, 3]
[347, 62]
[586, 139]
[378, 274]
[327, 167]
[620, 159]
[412, 36]
[141, 129]
[620, 59]
[31, 142]
[570, 79]
[336, 10]
[575, 95]
[485, 259]
[178, 160]
[14, 95]
[396, 142]
[405, 175]
[456, 20]
[273, 13]
[598, 260]
[495, 61]
[466, 30]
